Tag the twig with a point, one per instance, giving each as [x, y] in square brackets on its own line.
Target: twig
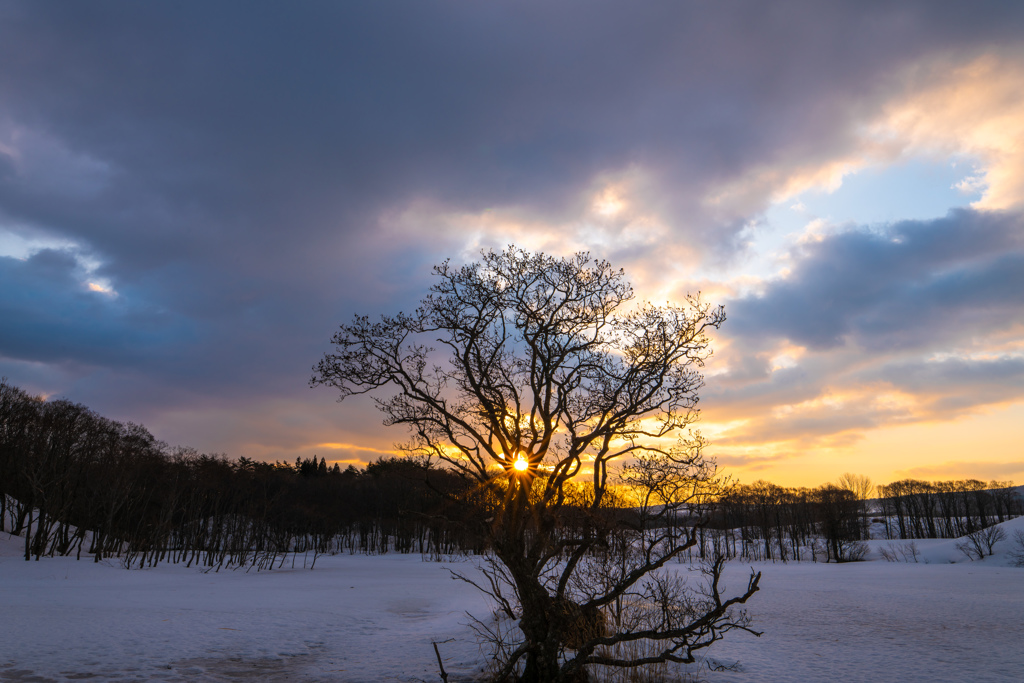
[444, 674]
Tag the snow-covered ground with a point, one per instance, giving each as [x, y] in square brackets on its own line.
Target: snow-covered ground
[359, 618]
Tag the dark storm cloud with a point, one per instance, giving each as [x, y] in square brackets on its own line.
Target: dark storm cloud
[50, 316]
[228, 164]
[913, 285]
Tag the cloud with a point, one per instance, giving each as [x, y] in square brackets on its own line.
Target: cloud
[922, 285]
[975, 110]
[245, 176]
[916, 322]
[53, 314]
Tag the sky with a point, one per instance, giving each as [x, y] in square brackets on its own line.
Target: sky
[193, 196]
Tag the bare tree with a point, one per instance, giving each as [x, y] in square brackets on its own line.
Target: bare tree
[859, 484]
[977, 544]
[546, 374]
[893, 553]
[861, 487]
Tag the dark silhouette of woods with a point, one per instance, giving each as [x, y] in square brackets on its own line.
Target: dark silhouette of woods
[762, 521]
[945, 509]
[72, 481]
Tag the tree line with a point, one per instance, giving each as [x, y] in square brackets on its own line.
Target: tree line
[945, 509]
[72, 481]
[764, 521]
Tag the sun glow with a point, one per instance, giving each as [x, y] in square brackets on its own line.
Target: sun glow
[521, 464]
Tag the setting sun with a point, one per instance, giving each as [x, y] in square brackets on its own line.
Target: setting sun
[521, 464]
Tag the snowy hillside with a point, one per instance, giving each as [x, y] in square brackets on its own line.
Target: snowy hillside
[945, 550]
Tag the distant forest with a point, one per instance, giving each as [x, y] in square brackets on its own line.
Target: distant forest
[74, 482]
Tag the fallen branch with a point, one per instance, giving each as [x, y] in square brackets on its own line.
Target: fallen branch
[440, 665]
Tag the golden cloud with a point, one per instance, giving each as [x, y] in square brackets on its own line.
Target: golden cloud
[974, 110]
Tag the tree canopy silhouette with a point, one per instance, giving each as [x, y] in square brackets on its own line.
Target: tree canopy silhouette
[534, 376]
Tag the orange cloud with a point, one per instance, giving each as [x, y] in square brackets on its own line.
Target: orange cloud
[974, 110]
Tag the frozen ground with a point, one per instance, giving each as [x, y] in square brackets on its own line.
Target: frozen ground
[358, 618]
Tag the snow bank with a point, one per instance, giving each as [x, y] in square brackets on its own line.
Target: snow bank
[945, 551]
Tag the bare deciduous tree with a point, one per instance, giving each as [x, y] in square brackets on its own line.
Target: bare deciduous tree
[977, 544]
[529, 374]
[904, 552]
[861, 487]
[859, 484]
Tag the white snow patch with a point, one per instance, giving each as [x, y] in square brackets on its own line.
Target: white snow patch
[360, 618]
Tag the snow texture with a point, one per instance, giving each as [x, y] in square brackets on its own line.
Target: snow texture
[360, 618]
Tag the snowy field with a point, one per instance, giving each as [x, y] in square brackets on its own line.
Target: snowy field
[359, 618]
